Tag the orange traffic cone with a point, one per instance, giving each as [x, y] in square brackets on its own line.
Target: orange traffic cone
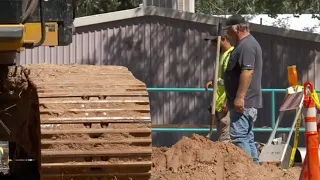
[318, 127]
[310, 169]
[304, 175]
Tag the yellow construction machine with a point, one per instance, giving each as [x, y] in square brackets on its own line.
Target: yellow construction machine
[67, 121]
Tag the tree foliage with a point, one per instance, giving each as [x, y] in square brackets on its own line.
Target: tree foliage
[214, 7]
[270, 7]
[90, 7]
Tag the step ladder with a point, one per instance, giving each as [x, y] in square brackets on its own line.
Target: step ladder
[276, 150]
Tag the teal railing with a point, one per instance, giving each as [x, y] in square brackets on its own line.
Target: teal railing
[199, 130]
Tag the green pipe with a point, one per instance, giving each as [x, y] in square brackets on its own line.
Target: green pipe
[204, 90]
[199, 90]
[199, 130]
[273, 109]
[177, 89]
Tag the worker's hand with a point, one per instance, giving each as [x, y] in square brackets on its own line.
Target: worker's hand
[208, 85]
[224, 107]
[239, 105]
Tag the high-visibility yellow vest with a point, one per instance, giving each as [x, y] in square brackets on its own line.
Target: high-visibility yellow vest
[221, 94]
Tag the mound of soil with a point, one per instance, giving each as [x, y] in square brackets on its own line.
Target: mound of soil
[199, 158]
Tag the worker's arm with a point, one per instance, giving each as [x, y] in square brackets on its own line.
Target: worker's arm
[244, 82]
[246, 62]
[224, 106]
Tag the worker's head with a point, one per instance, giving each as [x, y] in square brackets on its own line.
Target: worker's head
[236, 27]
[224, 44]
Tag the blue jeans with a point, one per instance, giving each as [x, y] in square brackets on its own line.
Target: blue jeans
[241, 133]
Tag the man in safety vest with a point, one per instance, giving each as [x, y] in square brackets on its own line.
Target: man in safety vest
[222, 119]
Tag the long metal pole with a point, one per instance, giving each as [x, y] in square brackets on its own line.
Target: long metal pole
[215, 81]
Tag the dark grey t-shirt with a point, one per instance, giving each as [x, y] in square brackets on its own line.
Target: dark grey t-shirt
[247, 54]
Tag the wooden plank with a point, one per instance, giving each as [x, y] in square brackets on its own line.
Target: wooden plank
[93, 110]
[89, 89]
[95, 141]
[83, 85]
[97, 164]
[96, 121]
[79, 120]
[108, 100]
[81, 74]
[96, 118]
[97, 79]
[43, 67]
[102, 84]
[83, 175]
[97, 94]
[93, 153]
[95, 131]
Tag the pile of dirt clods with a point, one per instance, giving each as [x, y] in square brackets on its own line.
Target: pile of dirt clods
[197, 158]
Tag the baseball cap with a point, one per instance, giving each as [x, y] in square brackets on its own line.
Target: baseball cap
[233, 20]
[211, 38]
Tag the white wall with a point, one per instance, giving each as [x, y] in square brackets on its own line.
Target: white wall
[182, 5]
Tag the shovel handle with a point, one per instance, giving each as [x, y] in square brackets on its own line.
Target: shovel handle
[215, 80]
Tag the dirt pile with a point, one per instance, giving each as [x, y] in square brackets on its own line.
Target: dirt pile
[199, 158]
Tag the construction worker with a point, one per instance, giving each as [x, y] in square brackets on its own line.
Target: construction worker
[222, 119]
[242, 82]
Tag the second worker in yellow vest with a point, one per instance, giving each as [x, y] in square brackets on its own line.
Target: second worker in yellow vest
[222, 120]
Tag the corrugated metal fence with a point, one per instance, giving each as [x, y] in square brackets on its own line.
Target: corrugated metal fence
[165, 52]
